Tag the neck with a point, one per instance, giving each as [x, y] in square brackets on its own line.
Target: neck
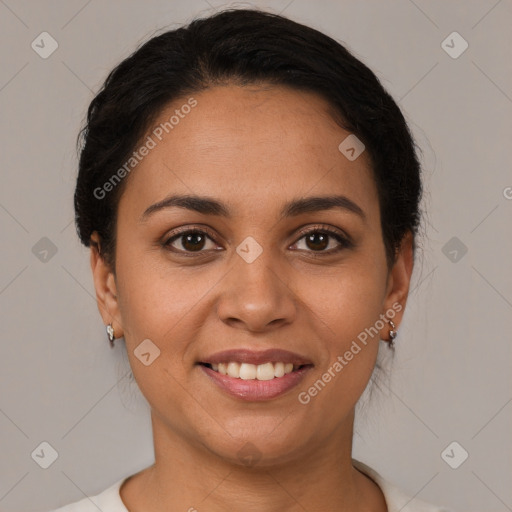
[188, 477]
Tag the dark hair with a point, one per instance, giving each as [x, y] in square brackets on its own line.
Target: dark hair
[239, 46]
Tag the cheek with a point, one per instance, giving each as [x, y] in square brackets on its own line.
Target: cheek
[351, 342]
[158, 308]
[168, 306]
[347, 301]
[347, 307]
[154, 293]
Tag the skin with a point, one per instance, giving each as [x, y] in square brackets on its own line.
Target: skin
[254, 149]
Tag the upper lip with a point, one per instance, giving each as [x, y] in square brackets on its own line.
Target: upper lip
[256, 357]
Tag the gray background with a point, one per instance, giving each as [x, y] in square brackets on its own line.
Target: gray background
[450, 380]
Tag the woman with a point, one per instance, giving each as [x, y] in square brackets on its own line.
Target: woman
[250, 194]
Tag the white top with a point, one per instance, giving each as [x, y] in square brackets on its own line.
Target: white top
[110, 500]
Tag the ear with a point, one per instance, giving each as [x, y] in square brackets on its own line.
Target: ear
[399, 280]
[106, 289]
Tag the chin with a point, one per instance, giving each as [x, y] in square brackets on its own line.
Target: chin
[269, 443]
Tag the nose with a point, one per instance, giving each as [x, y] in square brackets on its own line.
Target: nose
[256, 296]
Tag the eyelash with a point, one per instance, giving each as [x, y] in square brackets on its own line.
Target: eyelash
[344, 242]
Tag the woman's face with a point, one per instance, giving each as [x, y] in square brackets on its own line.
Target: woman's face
[261, 275]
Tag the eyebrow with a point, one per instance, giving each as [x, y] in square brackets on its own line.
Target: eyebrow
[294, 208]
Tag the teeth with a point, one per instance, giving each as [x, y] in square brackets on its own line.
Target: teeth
[245, 371]
[265, 371]
[278, 369]
[233, 370]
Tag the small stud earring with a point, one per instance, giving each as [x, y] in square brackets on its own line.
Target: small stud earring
[111, 335]
[392, 334]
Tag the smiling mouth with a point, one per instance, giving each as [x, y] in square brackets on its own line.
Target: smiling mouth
[247, 371]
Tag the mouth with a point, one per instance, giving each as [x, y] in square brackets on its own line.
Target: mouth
[256, 376]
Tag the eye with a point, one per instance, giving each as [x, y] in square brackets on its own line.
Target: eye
[320, 238]
[189, 240]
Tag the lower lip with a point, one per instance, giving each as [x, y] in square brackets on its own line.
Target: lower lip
[257, 390]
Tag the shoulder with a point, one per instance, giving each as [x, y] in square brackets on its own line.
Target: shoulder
[107, 501]
[396, 500]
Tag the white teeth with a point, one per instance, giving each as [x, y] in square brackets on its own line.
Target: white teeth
[265, 371]
[246, 371]
[278, 369]
[233, 369]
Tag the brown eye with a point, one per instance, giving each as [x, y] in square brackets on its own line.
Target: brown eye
[188, 241]
[317, 241]
[324, 241]
[193, 241]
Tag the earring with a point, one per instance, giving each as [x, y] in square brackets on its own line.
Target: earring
[111, 335]
[392, 334]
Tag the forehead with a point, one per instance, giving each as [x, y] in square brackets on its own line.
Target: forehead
[245, 144]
